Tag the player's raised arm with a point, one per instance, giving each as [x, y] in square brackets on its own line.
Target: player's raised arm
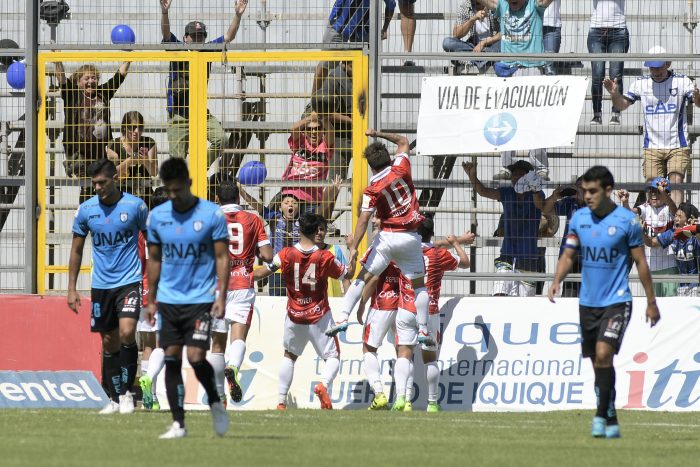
[401, 142]
[76, 259]
[360, 231]
[652, 313]
[463, 257]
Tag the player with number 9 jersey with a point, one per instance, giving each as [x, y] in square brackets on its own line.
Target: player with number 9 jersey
[246, 236]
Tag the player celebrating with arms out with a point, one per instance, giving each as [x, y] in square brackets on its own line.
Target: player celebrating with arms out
[187, 253]
[306, 269]
[247, 238]
[114, 219]
[391, 196]
[607, 236]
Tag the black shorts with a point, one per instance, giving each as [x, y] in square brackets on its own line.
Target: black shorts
[110, 305]
[607, 324]
[188, 325]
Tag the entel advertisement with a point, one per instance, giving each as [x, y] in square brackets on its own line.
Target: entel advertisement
[497, 354]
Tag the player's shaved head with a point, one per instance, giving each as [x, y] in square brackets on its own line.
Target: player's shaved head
[377, 156]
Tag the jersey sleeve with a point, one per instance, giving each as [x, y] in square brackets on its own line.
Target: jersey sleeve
[340, 256]
[80, 226]
[336, 269]
[142, 217]
[402, 164]
[633, 92]
[665, 238]
[260, 232]
[219, 229]
[634, 233]
[688, 88]
[369, 202]
[152, 233]
[448, 261]
[571, 239]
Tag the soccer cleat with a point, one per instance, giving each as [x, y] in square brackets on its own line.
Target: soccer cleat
[612, 431]
[322, 393]
[408, 407]
[156, 404]
[340, 326]
[147, 389]
[110, 408]
[399, 404]
[424, 337]
[219, 418]
[175, 431]
[281, 406]
[615, 119]
[380, 402]
[126, 403]
[433, 407]
[598, 427]
[234, 385]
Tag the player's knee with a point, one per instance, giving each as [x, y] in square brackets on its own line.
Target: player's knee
[218, 342]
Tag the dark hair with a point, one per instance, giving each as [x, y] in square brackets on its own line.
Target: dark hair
[131, 119]
[173, 169]
[227, 191]
[102, 166]
[689, 210]
[427, 229]
[159, 197]
[599, 173]
[310, 222]
[377, 156]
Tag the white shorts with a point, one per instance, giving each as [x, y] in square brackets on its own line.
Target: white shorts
[377, 324]
[296, 336]
[512, 288]
[406, 327]
[145, 326]
[239, 309]
[434, 328]
[404, 248]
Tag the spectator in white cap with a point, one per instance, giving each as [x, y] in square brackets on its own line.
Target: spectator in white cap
[664, 95]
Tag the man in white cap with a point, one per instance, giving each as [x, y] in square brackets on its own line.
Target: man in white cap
[664, 95]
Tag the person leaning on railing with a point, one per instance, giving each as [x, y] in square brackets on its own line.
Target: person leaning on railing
[135, 156]
[87, 130]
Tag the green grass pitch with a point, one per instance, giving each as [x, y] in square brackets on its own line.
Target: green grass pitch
[339, 438]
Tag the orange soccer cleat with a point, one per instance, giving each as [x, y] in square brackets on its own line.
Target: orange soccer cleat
[322, 393]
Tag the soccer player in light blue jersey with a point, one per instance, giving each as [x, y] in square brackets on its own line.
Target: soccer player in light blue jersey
[187, 254]
[114, 220]
[608, 238]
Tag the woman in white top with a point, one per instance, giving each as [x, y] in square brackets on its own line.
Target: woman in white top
[608, 34]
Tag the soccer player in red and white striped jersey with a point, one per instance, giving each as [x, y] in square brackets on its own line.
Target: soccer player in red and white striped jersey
[247, 239]
[306, 270]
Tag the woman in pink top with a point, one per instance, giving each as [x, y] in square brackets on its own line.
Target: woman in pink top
[311, 142]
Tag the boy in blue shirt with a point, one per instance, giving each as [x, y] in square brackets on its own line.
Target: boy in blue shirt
[609, 238]
[114, 220]
[187, 254]
[684, 245]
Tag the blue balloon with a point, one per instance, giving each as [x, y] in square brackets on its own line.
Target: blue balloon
[123, 34]
[252, 173]
[15, 75]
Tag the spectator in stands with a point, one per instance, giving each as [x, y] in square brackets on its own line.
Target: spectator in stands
[565, 201]
[87, 129]
[135, 156]
[477, 30]
[178, 93]
[522, 210]
[333, 97]
[683, 242]
[608, 34]
[521, 33]
[664, 95]
[349, 21]
[657, 217]
[551, 33]
[538, 159]
[408, 26]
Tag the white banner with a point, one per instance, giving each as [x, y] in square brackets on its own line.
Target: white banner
[498, 354]
[468, 114]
